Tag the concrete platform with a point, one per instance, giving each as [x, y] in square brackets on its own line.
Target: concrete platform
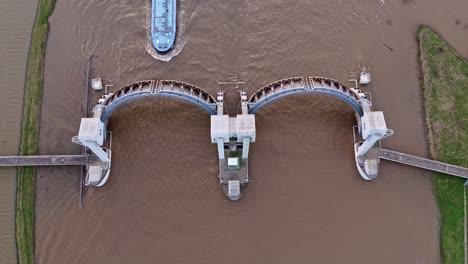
[227, 174]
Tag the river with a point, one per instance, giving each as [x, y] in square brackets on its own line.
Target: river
[16, 21]
[306, 202]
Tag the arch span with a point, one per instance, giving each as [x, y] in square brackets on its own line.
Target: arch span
[229, 132]
[164, 88]
[300, 85]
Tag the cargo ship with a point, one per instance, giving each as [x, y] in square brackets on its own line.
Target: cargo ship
[163, 24]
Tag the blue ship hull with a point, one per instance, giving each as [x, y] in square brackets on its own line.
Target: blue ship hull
[163, 24]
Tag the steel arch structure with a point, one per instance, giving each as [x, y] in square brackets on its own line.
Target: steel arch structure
[268, 94]
[231, 132]
[163, 88]
[300, 85]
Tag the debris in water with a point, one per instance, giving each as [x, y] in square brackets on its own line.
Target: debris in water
[388, 47]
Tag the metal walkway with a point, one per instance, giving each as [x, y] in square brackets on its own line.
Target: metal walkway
[423, 163]
[45, 160]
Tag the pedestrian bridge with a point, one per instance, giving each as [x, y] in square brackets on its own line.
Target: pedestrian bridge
[423, 163]
[44, 160]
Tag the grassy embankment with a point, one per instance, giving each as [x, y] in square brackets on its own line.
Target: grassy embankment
[445, 91]
[30, 133]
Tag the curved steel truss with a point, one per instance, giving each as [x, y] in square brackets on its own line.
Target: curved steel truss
[300, 85]
[266, 95]
[166, 88]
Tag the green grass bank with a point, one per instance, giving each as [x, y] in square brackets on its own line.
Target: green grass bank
[25, 192]
[444, 76]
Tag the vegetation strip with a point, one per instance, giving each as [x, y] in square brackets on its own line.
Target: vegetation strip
[445, 92]
[30, 134]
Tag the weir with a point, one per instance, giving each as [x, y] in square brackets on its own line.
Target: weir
[234, 134]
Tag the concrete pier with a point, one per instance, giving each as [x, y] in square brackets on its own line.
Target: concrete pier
[45, 160]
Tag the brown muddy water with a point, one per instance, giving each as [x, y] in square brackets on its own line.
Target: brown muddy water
[16, 21]
[306, 202]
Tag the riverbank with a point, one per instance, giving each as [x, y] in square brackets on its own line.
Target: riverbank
[30, 133]
[445, 92]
